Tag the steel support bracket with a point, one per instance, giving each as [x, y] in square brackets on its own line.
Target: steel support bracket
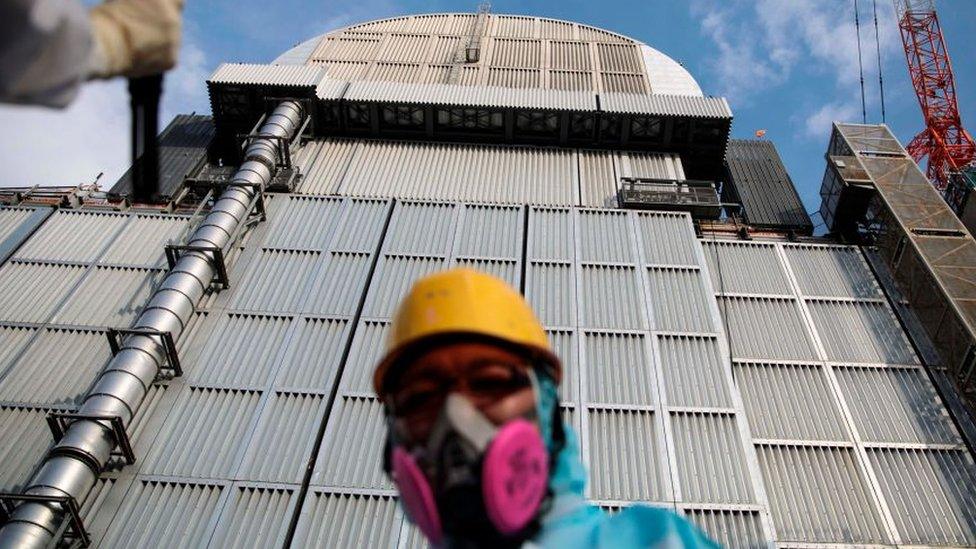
[115, 336]
[60, 421]
[220, 185]
[175, 251]
[71, 529]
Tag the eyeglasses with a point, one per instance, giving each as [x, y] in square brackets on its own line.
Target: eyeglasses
[423, 390]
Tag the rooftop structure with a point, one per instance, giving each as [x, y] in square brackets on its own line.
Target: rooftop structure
[772, 390]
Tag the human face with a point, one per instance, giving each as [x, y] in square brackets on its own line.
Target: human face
[495, 380]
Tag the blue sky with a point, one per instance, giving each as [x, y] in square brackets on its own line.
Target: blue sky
[787, 66]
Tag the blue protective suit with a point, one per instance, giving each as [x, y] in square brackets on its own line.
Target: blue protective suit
[574, 522]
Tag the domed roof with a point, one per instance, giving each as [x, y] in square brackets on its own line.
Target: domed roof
[510, 51]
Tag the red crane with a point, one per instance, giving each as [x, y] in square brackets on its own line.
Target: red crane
[944, 141]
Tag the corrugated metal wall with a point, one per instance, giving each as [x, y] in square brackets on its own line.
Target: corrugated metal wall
[823, 428]
[854, 444]
[77, 275]
[476, 173]
[516, 51]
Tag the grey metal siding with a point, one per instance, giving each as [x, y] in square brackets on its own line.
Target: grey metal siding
[757, 178]
[854, 445]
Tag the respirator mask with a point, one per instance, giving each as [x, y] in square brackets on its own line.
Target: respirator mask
[472, 479]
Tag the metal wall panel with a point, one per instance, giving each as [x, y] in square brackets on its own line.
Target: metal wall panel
[666, 238]
[395, 276]
[397, 72]
[701, 478]
[757, 178]
[142, 241]
[11, 219]
[274, 281]
[174, 514]
[693, 371]
[616, 369]
[12, 340]
[569, 55]
[490, 231]
[545, 289]
[619, 58]
[476, 173]
[623, 456]
[204, 435]
[609, 297]
[623, 83]
[551, 234]
[238, 351]
[362, 226]
[406, 237]
[599, 183]
[843, 446]
[24, 440]
[595, 226]
[324, 163]
[336, 288]
[367, 348]
[766, 328]
[301, 222]
[405, 47]
[679, 300]
[30, 292]
[817, 494]
[789, 401]
[507, 42]
[525, 54]
[72, 235]
[272, 75]
[109, 296]
[860, 332]
[255, 517]
[348, 520]
[550, 28]
[503, 269]
[730, 528]
[652, 165]
[566, 347]
[831, 271]
[735, 268]
[315, 351]
[17, 225]
[280, 446]
[352, 451]
[932, 494]
[56, 369]
[570, 80]
[896, 405]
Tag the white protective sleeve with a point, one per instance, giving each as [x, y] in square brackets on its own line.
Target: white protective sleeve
[45, 51]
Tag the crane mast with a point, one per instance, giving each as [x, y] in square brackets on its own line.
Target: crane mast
[946, 144]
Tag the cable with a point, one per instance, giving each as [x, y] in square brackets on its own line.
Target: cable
[877, 43]
[860, 63]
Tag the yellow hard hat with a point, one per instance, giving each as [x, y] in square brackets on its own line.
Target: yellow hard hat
[460, 302]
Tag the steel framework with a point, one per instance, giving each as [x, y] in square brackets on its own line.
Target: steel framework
[944, 141]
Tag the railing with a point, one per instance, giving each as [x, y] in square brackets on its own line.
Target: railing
[695, 196]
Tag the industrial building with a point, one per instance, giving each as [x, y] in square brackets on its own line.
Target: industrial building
[190, 366]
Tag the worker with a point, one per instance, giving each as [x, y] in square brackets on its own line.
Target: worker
[48, 48]
[475, 442]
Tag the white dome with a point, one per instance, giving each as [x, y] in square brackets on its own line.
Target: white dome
[513, 51]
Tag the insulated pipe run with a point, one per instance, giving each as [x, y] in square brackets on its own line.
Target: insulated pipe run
[72, 466]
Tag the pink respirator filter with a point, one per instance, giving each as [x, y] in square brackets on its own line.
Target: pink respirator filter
[515, 473]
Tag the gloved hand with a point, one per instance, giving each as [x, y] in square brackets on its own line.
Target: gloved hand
[135, 37]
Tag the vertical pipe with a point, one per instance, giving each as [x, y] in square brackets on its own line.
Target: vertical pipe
[73, 464]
